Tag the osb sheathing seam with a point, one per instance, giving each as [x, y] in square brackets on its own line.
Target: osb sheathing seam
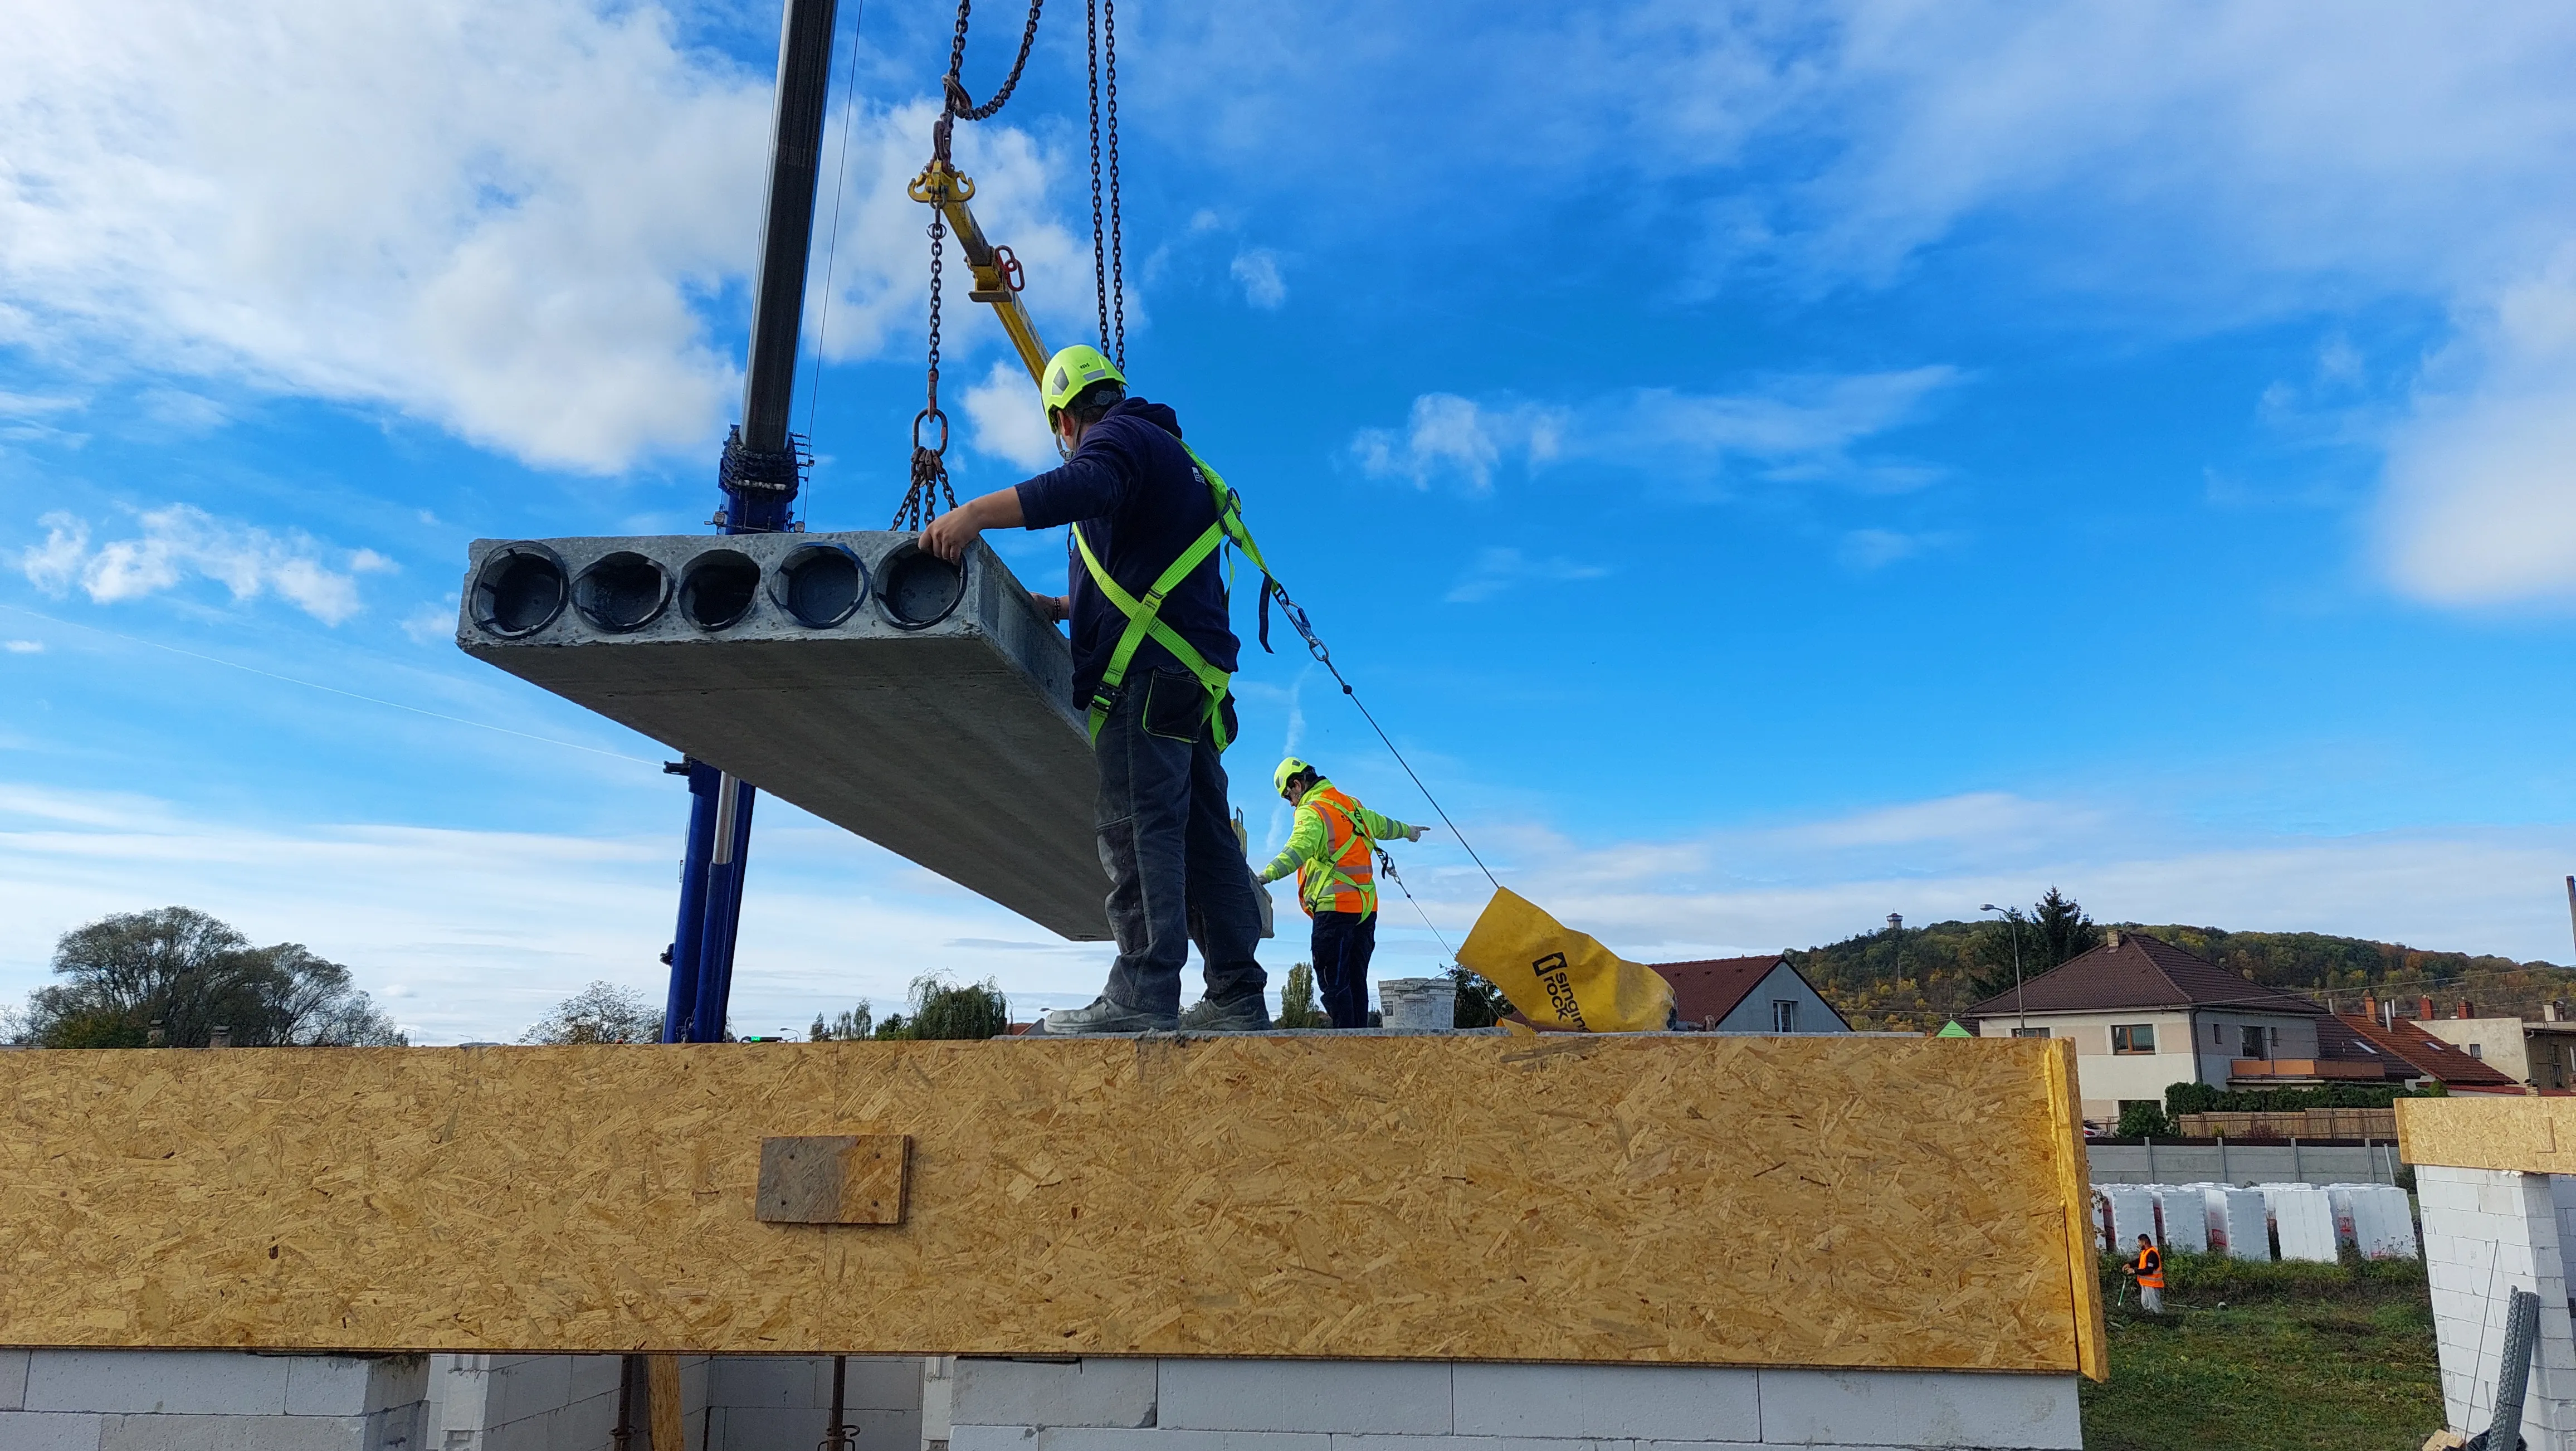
[2532, 1135]
[2075, 1186]
[1826, 1201]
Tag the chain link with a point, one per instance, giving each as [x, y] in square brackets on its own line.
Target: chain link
[1117, 242]
[1099, 251]
[961, 104]
[930, 494]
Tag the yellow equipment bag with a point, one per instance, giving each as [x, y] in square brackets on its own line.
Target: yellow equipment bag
[1560, 978]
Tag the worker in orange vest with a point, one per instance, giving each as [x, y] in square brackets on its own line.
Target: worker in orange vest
[1329, 849]
[2149, 1269]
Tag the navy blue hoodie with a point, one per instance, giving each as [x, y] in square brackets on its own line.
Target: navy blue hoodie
[1140, 502]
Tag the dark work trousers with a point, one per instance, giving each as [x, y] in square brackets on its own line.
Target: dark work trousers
[1176, 873]
[1343, 942]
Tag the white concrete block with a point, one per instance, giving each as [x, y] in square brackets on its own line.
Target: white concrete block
[2133, 1213]
[1306, 1395]
[350, 1385]
[174, 1382]
[1089, 1392]
[1508, 1443]
[767, 1428]
[1091, 1438]
[526, 1385]
[592, 1375]
[2236, 1223]
[1919, 1408]
[992, 1438]
[48, 1431]
[2303, 1219]
[2182, 1218]
[777, 1381]
[131, 1432]
[13, 1380]
[1675, 1402]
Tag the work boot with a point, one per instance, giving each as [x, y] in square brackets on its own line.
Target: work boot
[1245, 1014]
[1104, 1016]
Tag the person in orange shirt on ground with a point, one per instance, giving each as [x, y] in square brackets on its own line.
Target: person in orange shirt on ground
[2149, 1270]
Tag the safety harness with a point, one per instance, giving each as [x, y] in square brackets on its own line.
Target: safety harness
[1144, 617]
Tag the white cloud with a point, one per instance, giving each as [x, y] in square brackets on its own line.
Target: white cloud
[1790, 428]
[881, 295]
[1009, 424]
[490, 216]
[179, 542]
[1452, 437]
[1257, 268]
[2480, 502]
[1498, 570]
[23, 647]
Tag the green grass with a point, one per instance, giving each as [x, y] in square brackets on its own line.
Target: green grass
[2327, 1356]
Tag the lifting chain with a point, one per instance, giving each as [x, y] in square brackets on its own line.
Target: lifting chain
[930, 494]
[961, 104]
[1108, 254]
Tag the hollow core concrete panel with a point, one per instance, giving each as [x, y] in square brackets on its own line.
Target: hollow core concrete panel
[851, 675]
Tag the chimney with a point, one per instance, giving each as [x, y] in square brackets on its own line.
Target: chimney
[159, 1037]
[2553, 1011]
[2424, 1009]
[2112, 937]
[2370, 1007]
[2467, 1011]
[219, 1037]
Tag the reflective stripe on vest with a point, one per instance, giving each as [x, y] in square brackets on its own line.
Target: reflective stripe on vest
[1339, 880]
[1144, 617]
[2151, 1269]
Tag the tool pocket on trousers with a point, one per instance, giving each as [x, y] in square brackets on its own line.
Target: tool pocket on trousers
[1175, 705]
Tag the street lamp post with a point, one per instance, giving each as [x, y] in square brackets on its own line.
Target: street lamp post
[2020, 1010]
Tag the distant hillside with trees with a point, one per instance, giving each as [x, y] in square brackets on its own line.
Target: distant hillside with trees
[1916, 978]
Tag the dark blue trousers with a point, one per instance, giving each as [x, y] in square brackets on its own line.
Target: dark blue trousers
[1343, 944]
[1176, 873]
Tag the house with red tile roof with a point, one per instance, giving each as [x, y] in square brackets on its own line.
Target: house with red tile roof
[1748, 995]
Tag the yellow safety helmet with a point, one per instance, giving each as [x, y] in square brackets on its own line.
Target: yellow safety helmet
[1288, 770]
[1072, 370]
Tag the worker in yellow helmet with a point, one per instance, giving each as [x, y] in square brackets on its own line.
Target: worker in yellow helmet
[1329, 848]
[1153, 655]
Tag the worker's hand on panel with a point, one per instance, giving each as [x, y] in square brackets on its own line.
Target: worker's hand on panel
[950, 533]
[1051, 608]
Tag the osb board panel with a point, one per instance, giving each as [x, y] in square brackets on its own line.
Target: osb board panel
[2489, 1131]
[1825, 1201]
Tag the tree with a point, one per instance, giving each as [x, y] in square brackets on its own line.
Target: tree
[604, 1012]
[191, 973]
[1297, 1000]
[1480, 1003]
[1999, 954]
[945, 1010]
[848, 1027]
[2062, 929]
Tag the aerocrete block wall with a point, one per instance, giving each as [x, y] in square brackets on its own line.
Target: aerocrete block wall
[2488, 1232]
[2182, 1218]
[210, 1400]
[1324, 1405]
[2161, 1163]
[925, 707]
[2303, 1222]
[730, 1403]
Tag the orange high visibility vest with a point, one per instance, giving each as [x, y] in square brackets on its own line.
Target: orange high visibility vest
[2151, 1269]
[1348, 884]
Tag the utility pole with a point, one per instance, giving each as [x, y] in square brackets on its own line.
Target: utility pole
[2571, 902]
[762, 468]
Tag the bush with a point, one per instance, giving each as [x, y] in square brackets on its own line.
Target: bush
[2201, 1098]
[2142, 1119]
[945, 1010]
[1297, 1007]
[1480, 1003]
[604, 1012]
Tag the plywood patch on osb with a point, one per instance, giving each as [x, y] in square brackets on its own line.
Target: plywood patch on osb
[2489, 1131]
[1826, 1201]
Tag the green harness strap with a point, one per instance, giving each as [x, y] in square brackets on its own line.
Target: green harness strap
[1144, 617]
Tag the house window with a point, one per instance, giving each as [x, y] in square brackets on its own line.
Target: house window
[2250, 1044]
[2217, 1034]
[2133, 1037]
[1784, 1015]
[2043, 1032]
[2478, 1051]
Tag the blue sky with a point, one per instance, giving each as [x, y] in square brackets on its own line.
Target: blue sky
[1770, 466]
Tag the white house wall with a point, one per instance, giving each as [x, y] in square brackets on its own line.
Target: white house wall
[1753, 1015]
